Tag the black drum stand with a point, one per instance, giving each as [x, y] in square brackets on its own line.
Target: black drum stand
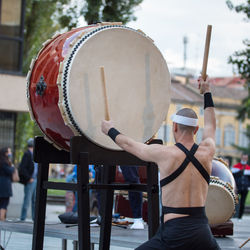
[83, 152]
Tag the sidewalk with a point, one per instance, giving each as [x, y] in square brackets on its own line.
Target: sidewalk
[21, 241]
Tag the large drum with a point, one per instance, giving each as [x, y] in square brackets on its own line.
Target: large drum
[221, 197]
[64, 89]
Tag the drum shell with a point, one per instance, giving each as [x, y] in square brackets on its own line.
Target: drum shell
[45, 109]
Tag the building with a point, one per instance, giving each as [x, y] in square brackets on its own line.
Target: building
[12, 82]
[227, 99]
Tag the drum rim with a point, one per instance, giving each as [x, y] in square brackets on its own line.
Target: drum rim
[217, 218]
[227, 186]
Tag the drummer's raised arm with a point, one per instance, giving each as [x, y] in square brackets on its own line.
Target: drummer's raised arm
[209, 112]
[143, 151]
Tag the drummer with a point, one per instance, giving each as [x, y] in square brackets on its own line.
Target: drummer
[185, 170]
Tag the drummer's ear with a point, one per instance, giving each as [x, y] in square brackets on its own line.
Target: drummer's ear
[196, 129]
[174, 127]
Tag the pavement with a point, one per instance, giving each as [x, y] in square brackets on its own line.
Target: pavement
[21, 241]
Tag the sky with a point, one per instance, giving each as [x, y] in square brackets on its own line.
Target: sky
[168, 21]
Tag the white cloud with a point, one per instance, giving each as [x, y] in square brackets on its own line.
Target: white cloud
[168, 21]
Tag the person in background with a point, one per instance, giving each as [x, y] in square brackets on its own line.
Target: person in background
[227, 161]
[28, 176]
[73, 178]
[130, 174]
[6, 172]
[241, 173]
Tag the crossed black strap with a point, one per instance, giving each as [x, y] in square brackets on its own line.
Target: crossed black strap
[189, 158]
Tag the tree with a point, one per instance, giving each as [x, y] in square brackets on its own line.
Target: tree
[241, 59]
[110, 10]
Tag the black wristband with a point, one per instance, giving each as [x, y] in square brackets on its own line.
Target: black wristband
[112, 133]
[208, 100]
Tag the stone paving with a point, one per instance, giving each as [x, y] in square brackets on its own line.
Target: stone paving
[21, 241]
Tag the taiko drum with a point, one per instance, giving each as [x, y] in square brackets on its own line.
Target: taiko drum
[64, 89]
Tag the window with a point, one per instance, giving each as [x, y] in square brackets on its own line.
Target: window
[164, 133]
[218, 137]
[243, 139]
[168, 132]
[199, 135]
[7, 129]
[178, 107]
[229, 135]
[9, 51]
[201, 111]
[161, 133]
[11, 34]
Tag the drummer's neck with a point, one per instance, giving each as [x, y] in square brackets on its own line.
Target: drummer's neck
[185, 139]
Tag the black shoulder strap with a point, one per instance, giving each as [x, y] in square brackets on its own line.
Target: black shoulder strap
[179, 170]
[192, 158]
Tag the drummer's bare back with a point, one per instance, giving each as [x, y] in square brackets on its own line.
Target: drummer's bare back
[189, 189]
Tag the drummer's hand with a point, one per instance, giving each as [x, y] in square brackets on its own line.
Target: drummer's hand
[106, 126]
[204, 86]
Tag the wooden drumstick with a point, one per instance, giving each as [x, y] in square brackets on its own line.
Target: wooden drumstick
[244, 243]
[105, 94]
[205, 57]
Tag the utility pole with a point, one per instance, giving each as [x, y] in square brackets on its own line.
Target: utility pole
[185, 41]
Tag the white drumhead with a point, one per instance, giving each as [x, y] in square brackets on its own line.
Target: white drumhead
[220, 204]
[137, 84]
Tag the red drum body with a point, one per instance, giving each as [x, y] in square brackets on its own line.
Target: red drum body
[64, 88]
[44, 74]
[221, 198]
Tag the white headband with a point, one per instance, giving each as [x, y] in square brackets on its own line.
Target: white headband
[184, 120]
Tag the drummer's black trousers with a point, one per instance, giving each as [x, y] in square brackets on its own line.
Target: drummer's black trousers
[183, 233]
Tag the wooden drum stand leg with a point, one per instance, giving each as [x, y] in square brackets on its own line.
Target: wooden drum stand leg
[44, 153]
[107, 204]
[40, 207]
[83, 202]
[153, 200]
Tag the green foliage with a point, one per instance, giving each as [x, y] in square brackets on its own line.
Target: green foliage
[241, 60]
[244, 7]
[248, 199]
[110, 10]
[91, 11]
[55, 191]
[24, 131]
